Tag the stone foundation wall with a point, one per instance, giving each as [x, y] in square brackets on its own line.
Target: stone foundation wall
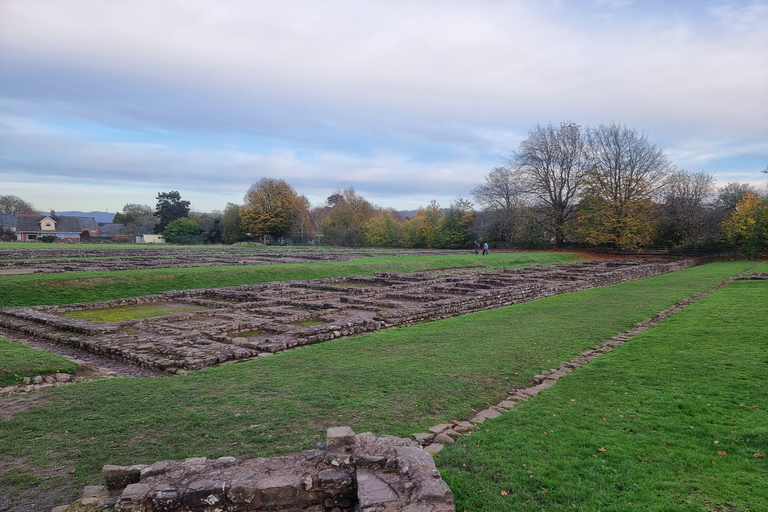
[251, 321]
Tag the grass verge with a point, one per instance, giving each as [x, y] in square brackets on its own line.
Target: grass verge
[18, 361]
[397, 382]
[68, 288]
[674, 420]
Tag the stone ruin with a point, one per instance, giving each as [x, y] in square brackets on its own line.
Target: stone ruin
[51, 260]
[224, 325]
[348, 472]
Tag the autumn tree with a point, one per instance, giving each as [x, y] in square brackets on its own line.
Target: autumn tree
[272, 208]
[13, 205]
[345, 218]
[747, 225]
[170, 207]
[385, 229]
[683, 209]
[626, 172]
[553, 163]
[429, 222]
[728, 196]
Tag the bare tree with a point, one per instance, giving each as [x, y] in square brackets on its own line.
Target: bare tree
[502, 191]
[686, 197]
[553, 163]
[626, 165]
[13, 205]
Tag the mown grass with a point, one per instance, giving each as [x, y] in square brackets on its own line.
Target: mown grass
[396, 382]
[674, 420]
[68, 288]
[18, 361]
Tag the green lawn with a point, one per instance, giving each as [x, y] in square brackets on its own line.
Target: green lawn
[670, 421]
[396, 382]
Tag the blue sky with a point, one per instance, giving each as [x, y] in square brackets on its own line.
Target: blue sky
[110, 102]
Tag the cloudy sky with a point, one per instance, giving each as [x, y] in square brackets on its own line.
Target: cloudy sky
[108, 102]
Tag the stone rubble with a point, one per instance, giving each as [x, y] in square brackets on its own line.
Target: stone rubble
[362, 472]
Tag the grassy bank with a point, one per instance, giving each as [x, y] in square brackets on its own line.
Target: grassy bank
[396, 382]
[67, 288]
[18, 361]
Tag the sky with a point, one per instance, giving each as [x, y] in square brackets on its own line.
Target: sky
[105, 103]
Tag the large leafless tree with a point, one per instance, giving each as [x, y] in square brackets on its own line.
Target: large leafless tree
[626, 165]
[684, 207]
[553, 162]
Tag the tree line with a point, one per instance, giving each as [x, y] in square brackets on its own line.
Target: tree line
[606, 186]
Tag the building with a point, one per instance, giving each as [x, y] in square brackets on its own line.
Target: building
[31, 227]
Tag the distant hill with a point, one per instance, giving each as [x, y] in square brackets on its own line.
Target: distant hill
[98, 216]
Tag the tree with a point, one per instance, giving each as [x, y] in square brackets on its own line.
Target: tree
[272, 208]
[729, 195]
[181, 230]
[135, 218]
[345, 219]
[170, 207]
[553, 163]
[626, 172]
[683, 209]
[214, 233]
[231, 231]
[13, 205]
[457, 224]
[430, 224]
[747, 225]
[384, 230]
[501, 197]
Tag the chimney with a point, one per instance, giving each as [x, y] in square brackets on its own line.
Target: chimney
[53, 213]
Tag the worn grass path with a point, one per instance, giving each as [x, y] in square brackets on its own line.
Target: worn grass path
[396, 382]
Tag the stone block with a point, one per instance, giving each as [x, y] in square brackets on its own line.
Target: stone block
[166, 499]
[411, 459]
[117, 477]
[440, 428]
[340, 437]
[423, 438]
[134, 498]
[205, 493]
[334, 479]
[434, 448]
[243, 489]
[373, 491]
[444, 439]
[432, 490]
[279, 490]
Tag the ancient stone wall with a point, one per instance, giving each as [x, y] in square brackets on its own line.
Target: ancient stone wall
[250, 321]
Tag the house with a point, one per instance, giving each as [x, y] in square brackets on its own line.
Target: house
[150, 239]
[32, 227]
[7, 227]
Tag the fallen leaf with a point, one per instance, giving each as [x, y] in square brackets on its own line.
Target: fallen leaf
[543, 489]
[721, 452]
[504, 493]
[602, 449]
[759, 455]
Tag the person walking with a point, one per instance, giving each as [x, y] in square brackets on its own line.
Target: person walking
[477, 248]
[485, 248]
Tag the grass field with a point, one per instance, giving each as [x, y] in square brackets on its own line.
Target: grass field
[674, 420]
[68, 288]
[396, 382]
